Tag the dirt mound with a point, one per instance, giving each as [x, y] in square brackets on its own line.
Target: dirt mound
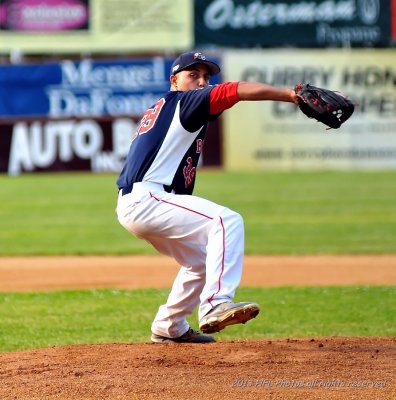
[313, 368]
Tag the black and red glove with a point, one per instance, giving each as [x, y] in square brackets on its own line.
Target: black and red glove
[330, 108]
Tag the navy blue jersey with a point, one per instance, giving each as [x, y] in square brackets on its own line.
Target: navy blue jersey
[168, 142]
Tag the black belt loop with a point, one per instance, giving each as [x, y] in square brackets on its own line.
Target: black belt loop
[127, 189]
[167, 188]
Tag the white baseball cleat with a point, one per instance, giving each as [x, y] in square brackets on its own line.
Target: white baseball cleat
[226, 314]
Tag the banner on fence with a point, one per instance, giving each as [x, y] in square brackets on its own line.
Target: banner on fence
[274, 23]
[80, 115]
[45, 145]
[86, 88]
[94, 26]
[263, 135]
[89, 144]
[44, 15]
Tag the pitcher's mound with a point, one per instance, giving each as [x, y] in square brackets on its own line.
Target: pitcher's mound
[312, 368]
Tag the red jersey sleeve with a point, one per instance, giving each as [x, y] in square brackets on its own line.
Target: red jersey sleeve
[223, 96]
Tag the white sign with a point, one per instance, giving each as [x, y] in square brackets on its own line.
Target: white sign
[278, 135]
[41, 144]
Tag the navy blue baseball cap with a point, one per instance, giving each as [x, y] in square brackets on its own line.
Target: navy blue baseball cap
[186, 60]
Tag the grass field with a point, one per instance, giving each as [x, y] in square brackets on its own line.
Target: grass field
[32, 320]
[284, 213]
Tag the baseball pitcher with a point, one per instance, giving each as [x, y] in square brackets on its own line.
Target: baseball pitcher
[156, 201]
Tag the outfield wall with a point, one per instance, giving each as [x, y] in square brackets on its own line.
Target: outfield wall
[81, 115]
[270, 135]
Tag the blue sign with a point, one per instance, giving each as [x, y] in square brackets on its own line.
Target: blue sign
[82, 89]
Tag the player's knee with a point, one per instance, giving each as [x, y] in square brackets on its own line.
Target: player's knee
[233, 220]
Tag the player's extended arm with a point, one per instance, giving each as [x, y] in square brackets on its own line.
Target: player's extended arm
[324, 105]
[225, 95]
[261, 91]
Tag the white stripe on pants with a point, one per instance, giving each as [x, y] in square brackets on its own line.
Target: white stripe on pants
[206, 239]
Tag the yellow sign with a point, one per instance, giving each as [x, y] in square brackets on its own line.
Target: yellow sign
[114, 25]
[263, 135]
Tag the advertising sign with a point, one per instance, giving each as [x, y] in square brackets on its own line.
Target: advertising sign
[88, 144]
[44, 15]
[95, 26]
[262, 135]
[68, 144]
[86, 88]
[79, 115]
[270, 23]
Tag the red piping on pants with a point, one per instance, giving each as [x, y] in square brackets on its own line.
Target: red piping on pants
[222, 264]
[177, 205]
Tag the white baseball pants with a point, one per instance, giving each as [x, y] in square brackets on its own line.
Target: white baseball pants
[206, 239]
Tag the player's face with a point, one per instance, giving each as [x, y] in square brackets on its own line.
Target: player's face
[196, 77]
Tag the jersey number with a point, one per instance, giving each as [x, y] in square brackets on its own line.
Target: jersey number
[149, 118]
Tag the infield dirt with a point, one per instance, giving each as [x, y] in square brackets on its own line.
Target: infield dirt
[309, 368]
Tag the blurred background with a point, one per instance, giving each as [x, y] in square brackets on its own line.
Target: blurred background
[76, 76]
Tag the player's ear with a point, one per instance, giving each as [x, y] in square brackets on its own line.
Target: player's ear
[173, 81]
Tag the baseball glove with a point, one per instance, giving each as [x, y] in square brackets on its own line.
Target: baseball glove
[330, 108]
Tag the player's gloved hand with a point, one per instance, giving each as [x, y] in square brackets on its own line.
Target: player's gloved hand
[330, 108]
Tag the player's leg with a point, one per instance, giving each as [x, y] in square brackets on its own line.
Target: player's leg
[224, 256]
[173, 231]
[224, 260]
[170, 320]
[195, 232]
[218, 232]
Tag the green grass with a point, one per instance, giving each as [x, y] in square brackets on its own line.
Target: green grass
[33, 320]
[284, 212]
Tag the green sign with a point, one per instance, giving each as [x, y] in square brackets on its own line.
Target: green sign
[272, 23]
